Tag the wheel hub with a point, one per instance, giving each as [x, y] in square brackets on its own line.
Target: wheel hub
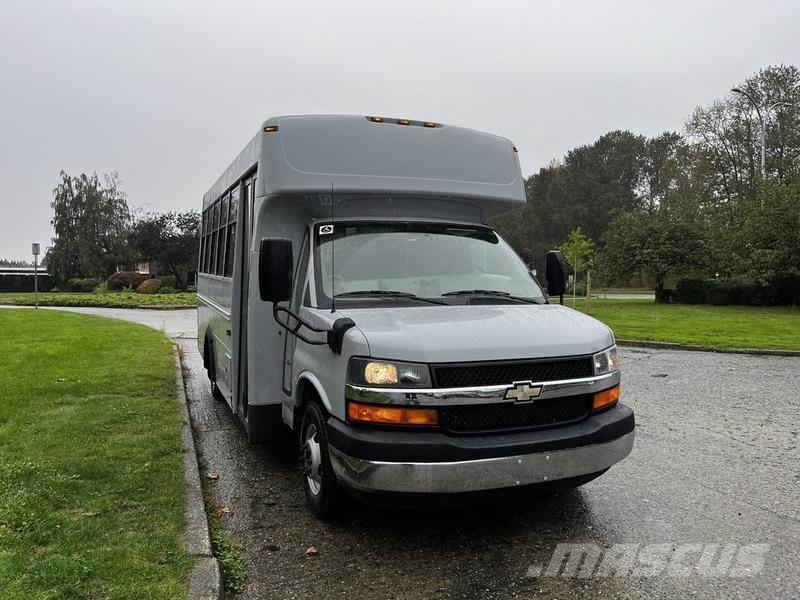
[312, 460]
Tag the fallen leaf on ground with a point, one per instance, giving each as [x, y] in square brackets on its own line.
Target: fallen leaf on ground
[212, 476]
[220, 510]
[312, 551]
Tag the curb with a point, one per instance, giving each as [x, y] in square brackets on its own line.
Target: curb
[205, 582]
[696, 348]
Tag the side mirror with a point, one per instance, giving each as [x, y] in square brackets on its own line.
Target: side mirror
[556, 273]
[275, 269]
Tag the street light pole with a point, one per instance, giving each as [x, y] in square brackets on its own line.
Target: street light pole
[762, 119]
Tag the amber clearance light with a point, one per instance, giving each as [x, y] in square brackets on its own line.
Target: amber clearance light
[393, 415]
[606, 398]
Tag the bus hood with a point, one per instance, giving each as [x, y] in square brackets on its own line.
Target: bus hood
[436, 334]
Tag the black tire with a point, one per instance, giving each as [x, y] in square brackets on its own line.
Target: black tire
[324, 497]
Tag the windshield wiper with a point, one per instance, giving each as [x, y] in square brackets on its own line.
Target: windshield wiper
[497, 293]
[388, 294]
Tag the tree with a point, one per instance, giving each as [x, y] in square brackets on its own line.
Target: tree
[583, 190]
[169, 241]
[693, 204]
[728, 132]
[578, 251]
[91, 221]
[14, 263]
[668, 241]
[766, 243]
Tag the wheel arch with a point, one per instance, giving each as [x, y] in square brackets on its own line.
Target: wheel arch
[308, 388]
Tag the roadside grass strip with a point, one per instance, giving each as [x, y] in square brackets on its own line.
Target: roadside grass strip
[720, 327]
[91, 461]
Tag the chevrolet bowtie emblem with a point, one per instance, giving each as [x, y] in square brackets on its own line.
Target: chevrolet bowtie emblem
[523, 391]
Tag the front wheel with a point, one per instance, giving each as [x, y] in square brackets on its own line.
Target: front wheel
[319, 481]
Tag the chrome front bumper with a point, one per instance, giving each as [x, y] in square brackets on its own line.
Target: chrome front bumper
[481, 474]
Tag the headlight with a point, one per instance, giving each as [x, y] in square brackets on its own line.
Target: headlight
[606, 361]
[365, 371]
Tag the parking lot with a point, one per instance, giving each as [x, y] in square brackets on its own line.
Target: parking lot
[716, 461]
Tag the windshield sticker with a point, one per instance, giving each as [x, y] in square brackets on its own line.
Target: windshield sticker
[325, 229]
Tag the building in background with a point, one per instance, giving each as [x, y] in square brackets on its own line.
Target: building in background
[21, 279]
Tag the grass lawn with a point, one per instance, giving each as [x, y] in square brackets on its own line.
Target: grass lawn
[107, 300]
[91, 460]
[723, 327]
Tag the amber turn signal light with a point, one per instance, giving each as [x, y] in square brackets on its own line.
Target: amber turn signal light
[392, 415]
[606, 397]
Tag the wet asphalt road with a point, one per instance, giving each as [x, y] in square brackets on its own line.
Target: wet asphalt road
[716, 460]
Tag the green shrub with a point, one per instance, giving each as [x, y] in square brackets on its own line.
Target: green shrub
[125, 279]
[665, 296]
[81, 285]
[785, 290]
[167, 290]
[191, 288]
[721, 293]
[169, 281]
[691, 291]
[149, 286]
[579, 289]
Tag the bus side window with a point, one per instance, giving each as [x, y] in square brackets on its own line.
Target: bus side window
[214, 223]
[231, 236]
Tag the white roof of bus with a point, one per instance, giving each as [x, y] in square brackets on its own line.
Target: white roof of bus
[314, 154]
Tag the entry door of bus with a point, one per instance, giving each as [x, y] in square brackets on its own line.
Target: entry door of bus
[246, 224]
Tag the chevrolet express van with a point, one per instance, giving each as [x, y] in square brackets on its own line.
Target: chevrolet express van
[351, 292]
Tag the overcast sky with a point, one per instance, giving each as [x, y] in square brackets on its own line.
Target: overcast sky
[167, 93]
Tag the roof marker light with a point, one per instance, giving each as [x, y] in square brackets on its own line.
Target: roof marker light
[270, 128]
[429, 124]
[376, 119]
[403, 122]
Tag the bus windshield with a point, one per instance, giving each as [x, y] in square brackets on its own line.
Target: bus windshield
[424, 260]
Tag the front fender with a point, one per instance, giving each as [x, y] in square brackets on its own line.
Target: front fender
[307, 378]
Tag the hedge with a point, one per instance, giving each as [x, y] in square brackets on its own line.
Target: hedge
[81, 285]
[783, 290]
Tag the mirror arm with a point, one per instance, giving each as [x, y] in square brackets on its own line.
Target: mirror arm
[335, 335]
[296, 329]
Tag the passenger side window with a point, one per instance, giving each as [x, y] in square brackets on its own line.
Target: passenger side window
[218, 232]
[223, 228]
[231, 232]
